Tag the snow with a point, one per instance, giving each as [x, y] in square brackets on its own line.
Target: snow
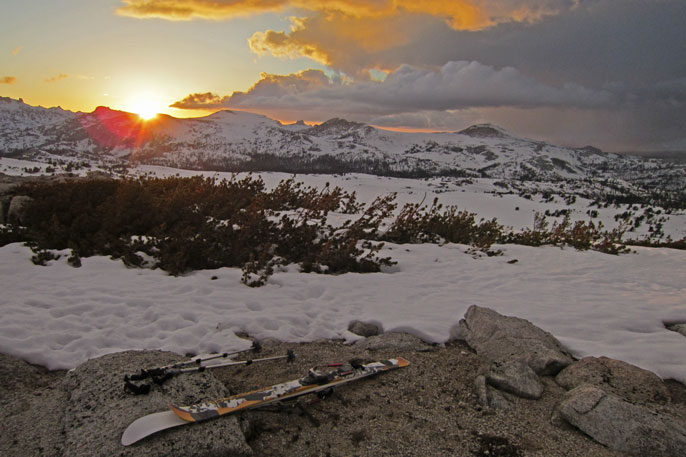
[595, 304]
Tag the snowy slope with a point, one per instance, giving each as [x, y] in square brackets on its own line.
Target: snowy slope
[23, 126]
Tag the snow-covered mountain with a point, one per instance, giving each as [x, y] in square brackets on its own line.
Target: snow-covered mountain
[235, 140]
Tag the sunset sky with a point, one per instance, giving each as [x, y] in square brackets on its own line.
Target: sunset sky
[611, 73]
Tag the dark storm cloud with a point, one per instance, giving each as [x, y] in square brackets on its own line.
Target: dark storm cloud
[611, 72]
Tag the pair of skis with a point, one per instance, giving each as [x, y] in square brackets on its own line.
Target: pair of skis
[314, 382]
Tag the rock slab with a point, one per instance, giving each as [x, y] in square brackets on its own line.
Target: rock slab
[623, 426]
[504, 338]
[393, 340]
[614, 376]
[515, 377]
[490, 397]
[99, 409]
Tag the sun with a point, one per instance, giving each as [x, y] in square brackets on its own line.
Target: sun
[146, 108]
[146, 104]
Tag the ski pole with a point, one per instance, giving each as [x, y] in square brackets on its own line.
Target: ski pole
[256, 347]
[161, 374]
[290, 356]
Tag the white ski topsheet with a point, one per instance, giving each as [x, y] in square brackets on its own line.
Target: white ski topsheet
[147, 425]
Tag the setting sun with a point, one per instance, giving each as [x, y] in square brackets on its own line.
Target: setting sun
[145, 108]
[146, 104]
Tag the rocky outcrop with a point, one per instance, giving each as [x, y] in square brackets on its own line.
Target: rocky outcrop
[393, 340]
[99, 409]
[679, 328]
[365, 329]
[504, 338]
[616, 377]
[621, 425]
[515, 377]
[16, 209]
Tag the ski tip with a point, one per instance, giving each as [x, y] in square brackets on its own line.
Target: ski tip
[402, 362]
[148, 425]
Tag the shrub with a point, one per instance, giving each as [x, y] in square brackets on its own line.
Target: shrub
[187, 224]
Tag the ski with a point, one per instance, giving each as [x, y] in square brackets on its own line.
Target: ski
[314, 382]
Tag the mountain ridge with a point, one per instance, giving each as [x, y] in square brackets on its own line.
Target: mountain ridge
[231, 140]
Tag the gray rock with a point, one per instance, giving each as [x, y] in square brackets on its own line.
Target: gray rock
[99, 410]
[365, 329]
[15, 212]
[393, 340]
[490, 397]
[500, 338]
[613, 376]
[679, 328]
[31, 402]
[516, 377]
[621, 425]
[35, 427]
[17, 375]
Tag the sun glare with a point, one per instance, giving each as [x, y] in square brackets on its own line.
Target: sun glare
[147, 106]
[145, 109]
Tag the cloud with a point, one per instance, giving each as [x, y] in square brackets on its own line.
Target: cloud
[8, 80]
[460, 14]
[56, 78]
[341, 41]
[207, 100]
[270, 91]
[456, 85]
[17, 50]
[462, 93]
[180, 10]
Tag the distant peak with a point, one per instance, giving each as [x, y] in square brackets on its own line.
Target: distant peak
[341, 123]
[106, 110]
[590, 150]
[485, 131]
[222, 113]
[10, 100]
[335, 126]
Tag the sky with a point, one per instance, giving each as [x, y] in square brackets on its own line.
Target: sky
[610, 73]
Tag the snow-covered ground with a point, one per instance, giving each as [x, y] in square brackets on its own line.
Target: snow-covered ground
[595, 304]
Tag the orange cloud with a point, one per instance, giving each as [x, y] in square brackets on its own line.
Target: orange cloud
[183, 10]
[341, 41]
[349, 35]
[17, 50]
[8, 80]
[461, 14]
[59, 77]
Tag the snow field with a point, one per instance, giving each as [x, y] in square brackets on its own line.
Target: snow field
[595, 304]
